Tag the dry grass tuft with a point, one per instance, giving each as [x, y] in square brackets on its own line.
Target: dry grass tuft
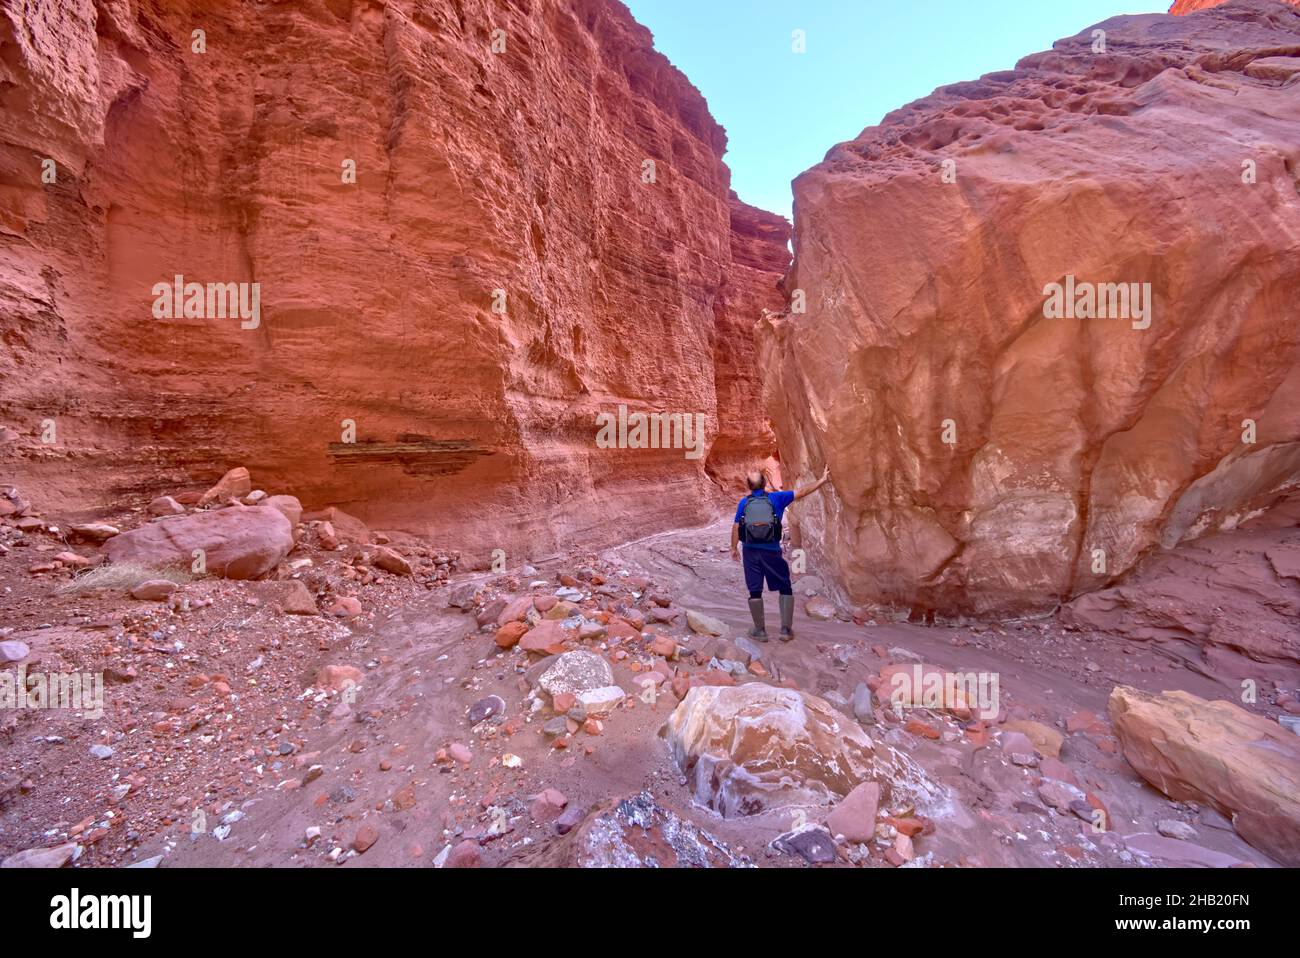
[120, 576]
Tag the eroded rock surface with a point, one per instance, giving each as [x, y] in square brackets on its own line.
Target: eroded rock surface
[458, 255]
[986, 458]
[1232, 597]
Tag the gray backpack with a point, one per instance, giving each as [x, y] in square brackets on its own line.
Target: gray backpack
[758, 520]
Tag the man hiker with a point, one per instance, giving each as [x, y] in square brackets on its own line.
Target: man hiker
[758, 526]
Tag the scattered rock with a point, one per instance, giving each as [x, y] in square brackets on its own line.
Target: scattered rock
[855, 816]
[392, 561]
[485, 708]
[235, 484]
[287, 506]
[1172, 828]
[465, 855]
[154, 590]
[1216, 753]
[96, 531]
[508, 635]
[814, 845]
[166, 506]
[705, 624]
[547, 637]
[55, 857]
[635, 833]
[336, 678]
[820, 609]
[291, 595]
[1047, 741]
[547, 806]
[11, 650]
[863, 706]
[576, 672]
[601, 701]
[239, 542]
[365, 838]
[345, 607]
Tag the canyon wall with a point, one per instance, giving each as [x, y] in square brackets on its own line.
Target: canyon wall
[461, 252]
[988, 459]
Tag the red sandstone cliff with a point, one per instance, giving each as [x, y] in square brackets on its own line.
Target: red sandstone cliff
[520, 170]
[1075, 446]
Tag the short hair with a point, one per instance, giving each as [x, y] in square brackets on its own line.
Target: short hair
[762, 479]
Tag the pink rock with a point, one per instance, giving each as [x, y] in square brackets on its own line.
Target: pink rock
[855, 816]
[390, 560]
[238, 543]
[288, 506]
[154, 589]
[165, 506]
[515, 610]
[460, 753]
[345, 607]
[547, 637]
[547, 806]
[233, 485]
[464, 855]
[339, 677]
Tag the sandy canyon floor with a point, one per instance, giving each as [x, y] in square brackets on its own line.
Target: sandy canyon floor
[223, 743]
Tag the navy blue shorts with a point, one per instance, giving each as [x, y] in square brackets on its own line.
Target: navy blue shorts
[766, 564]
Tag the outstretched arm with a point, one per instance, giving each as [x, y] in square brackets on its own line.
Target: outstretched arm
[809, 490]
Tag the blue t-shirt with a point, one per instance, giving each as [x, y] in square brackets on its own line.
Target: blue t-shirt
[779, 501]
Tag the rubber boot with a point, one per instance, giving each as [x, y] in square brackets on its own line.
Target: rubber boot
[787, 618]
[759, 632]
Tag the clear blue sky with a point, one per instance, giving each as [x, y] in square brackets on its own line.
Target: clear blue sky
[864, 58]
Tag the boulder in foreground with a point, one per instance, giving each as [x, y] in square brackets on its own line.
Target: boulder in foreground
[1245, 766]
[749, 748]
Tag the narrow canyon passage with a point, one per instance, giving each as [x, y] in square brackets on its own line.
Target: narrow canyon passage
[332, 532]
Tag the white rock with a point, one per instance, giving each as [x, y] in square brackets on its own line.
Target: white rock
[602, 701]
[705, 624]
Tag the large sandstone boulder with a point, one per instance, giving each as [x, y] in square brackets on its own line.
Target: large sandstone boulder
[1219, 754]
[749, 748]
[984, 456]
[238, 543]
